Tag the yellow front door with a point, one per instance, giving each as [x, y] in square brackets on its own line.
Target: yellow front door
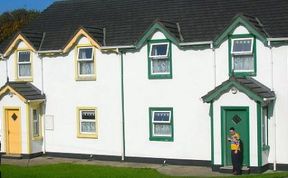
[13, 131]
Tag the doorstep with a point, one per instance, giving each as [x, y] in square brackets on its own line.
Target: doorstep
[228, 169]
[12, 156]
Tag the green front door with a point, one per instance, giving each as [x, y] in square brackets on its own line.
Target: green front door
[237, 117]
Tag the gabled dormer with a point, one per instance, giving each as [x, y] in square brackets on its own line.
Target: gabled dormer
[85, 41]
[159, 38]
[24, 45]
[241, 35]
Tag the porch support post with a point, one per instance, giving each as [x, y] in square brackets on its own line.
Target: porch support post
[211, 113]
[259, 134]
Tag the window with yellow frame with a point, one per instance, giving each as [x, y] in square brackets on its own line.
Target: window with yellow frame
[24, 64]
[36, 123]
[87, 122]
[85, 63]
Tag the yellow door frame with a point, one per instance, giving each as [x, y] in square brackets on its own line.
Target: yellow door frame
[5, 125]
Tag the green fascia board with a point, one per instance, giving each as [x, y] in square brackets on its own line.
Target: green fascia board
[239, 20]
[226, 87]
[154, 28]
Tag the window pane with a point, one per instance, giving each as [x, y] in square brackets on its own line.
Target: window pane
[24, 56]
[85, 53]
[24, 70]
[35, 123]
[86, 68]
[88, 127]
[35, 129]
[161, 116]
[159, 50]
[88, 115]
[244, 63]
[242, 45]
[160, 66]
[162, 129]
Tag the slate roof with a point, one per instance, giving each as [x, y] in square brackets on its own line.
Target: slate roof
[26, 90]
[126, 20]
[248, 83]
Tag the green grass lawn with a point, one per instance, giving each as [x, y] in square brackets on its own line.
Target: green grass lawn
[92, 171]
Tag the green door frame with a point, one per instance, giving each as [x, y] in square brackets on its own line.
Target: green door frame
[223, 129]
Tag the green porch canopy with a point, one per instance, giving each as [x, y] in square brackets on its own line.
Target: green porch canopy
[251, 87]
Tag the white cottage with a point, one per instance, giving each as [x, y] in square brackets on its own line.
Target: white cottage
[149, 81]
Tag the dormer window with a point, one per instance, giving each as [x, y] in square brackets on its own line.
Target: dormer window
[242, 55]
[24, 64]
[160, 65]
[85, 63]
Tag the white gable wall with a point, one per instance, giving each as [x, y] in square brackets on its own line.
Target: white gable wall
[192, 75]
[64, 94]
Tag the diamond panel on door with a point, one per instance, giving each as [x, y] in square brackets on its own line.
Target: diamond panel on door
[236, 119]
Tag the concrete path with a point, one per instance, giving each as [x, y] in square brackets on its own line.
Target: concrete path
[172, 170]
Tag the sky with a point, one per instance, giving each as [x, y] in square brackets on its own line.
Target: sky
[10, 5]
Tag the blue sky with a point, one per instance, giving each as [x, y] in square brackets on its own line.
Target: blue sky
[9, 5]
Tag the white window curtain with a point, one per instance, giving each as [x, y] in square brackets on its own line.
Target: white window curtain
[162, 129]
[160, 66]
[85, 61]
[243, 63]
[24, 64]
[24, 70]
[86, 67]
[88, 124]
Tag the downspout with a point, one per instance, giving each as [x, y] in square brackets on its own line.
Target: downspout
[273, 116]
[214, 63]
[42, 93]
[43, 106]
[123, 107]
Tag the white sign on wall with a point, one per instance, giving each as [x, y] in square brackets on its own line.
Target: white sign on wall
[49, 122]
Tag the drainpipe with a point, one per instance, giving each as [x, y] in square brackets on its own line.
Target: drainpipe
[214, 63]
[273, 117]
[43, 105]
[123, 108]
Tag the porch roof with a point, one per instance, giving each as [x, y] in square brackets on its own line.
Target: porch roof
[26, 90]
[251, 87]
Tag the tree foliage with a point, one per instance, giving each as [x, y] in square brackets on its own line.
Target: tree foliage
[11, 22]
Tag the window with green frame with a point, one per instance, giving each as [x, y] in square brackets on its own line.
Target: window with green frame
[242, 55]
[264, 128]
[159, 59]
[161, 124]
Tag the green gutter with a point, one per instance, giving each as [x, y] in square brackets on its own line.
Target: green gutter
[123, 108]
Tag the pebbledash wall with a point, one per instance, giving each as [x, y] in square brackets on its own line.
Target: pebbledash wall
[195, 72]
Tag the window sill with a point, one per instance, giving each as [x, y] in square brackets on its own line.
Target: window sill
[160, 76]
[94, 136]
[24, 79]
[164, 139]
[243, 74]
[88, 78]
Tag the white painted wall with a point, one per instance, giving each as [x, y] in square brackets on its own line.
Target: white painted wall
[64, 94]
[192, 78]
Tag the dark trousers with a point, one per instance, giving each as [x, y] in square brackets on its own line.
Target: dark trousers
[236, 161]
